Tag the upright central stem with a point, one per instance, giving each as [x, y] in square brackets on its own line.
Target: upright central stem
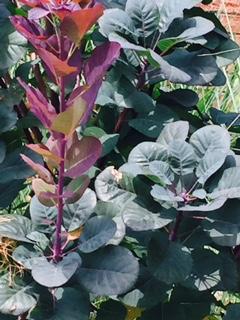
[58, 243]
[174, 233]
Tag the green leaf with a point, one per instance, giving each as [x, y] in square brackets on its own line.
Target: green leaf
[162, 194]
[9, 191]
[227, 52]
[152, 122]
[210, 138]
[50, 274]
[43, 217]
[146, 152]
[14, 168]
[168, 261]
[70, 303]
[2, 151]
[117, 21]
[172, 9]
[8, 119]
[26, 256]
[139, 218]
[74, 304]
[209, 206]
[206, 272]
[13, 45]
[233, 312]
[223, 226]
[162, 171]
[17, 298]
[96, 233]
[145, 16]
[107, 186]
[109, 142]
[171, 131]
[228, 185]
[148, 294]
[188, 30]
[182, 158]
[112, 210]
[209, 164]
[75, 214]
[211, 145]
[108, 271]
[15, 227]
[182, 66]
[111, 309]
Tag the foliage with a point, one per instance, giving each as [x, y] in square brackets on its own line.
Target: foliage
[82, 94]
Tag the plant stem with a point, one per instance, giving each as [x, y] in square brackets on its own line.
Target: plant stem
[58, 245]
[23, 316]
[174, 233]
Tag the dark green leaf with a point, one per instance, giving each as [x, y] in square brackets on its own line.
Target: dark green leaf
[13, 47]
[111, 309]
[233, 312]
[169, 262]
[97, 232]
[15, 227]
[50, 274]
[171, 131]
[108, 271]
[17, 298]
[145, 16]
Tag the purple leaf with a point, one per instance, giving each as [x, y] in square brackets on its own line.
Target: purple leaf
[37, 13]
[94, 71]
[39, 105]
[100, 61]
[82, 156]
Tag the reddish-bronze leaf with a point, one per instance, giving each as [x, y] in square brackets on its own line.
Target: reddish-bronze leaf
[43, 173]
[78, 23]
[45, 152]
[45, 192]
[82, 156]
[58, 67]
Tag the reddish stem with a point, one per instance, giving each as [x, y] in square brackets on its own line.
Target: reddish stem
[121, 119]
[174, 232]
[58, 245]
[57, 253]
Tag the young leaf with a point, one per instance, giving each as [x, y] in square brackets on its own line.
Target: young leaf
[39, 105]
[182, 158]
[67, 121]
[77, 187]
[82, 155]
[76, 24]
[39, 169]
[45, 192]
[145, 16]
[59, 68]
[171, 131]
[45, 152]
